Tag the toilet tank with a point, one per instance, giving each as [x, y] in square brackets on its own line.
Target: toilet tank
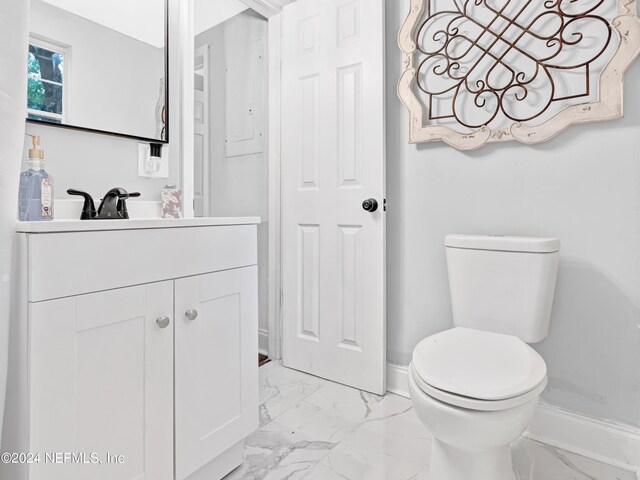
[503, 284]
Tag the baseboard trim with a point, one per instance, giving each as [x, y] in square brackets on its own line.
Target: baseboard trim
[603, 441]
[398, 379]
[263, 341]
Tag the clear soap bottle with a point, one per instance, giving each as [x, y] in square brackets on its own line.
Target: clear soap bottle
[36, 188]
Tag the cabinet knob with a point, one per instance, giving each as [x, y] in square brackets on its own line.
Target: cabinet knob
[163, 322]
[191, 314]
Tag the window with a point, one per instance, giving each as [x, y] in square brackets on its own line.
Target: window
[46, 92]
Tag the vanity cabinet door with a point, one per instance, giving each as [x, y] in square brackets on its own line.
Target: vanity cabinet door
[101, 380]
[216, 367]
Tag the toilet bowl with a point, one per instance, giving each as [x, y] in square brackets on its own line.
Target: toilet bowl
[475, 392]
[475, 386]
[470, 444]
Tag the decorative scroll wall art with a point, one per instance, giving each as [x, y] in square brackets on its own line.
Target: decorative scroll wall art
[479, 71]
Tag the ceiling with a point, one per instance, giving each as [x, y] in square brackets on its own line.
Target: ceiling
[281, 3]
[140, 19]
[144, 19]
[209, 13]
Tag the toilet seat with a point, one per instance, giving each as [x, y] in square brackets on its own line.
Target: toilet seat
[478, 370]
[474, 403]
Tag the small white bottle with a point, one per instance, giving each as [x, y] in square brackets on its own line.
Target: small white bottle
[36, 188]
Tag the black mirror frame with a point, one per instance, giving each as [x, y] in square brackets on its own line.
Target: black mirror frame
[125, 135]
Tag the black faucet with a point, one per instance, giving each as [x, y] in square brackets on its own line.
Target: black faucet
[112, 207]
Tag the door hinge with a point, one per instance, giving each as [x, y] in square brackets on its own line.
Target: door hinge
[385, 204]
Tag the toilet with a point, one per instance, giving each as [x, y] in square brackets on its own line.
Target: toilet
[476, 385]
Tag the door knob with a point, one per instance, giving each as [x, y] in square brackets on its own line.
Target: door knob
[370, 205]
[191, 314]
[163, 322]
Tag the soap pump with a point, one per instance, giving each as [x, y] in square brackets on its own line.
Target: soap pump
[36, 187]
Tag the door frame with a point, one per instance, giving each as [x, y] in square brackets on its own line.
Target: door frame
[203, 50]
[271, 10]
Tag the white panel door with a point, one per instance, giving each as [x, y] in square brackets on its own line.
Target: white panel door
[216, 367]
[201, 198]
[101, 380]
[333, 154]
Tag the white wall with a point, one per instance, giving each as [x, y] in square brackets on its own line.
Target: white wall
[114, 80]
[94, 163]
[583, 186]
[239, 185]
[13, 85]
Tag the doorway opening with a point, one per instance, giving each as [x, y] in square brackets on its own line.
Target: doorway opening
[231, 164]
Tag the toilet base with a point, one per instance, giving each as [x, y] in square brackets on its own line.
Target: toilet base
[451, 463]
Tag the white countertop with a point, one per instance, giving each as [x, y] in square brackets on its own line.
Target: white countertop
[59, 226]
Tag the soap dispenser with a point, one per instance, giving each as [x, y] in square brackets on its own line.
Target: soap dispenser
[36, 187]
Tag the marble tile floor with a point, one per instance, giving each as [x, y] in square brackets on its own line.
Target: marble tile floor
[313, 429]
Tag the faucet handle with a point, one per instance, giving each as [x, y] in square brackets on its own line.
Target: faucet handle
[122, 204]
[89, 208]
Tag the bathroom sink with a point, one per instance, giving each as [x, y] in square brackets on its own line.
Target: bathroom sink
[58, 226]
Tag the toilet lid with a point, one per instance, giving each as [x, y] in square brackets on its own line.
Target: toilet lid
[478, 364]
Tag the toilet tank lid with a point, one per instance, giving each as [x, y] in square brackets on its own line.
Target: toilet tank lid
[503, 243]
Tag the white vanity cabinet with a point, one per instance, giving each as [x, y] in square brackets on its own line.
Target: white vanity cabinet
[216, 395]
[136, 348]
[101, 381]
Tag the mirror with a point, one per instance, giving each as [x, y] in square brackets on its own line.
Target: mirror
[100, 66]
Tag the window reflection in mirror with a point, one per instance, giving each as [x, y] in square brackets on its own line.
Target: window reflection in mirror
[45, 81]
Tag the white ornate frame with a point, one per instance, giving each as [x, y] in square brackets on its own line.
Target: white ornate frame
[610, 104]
